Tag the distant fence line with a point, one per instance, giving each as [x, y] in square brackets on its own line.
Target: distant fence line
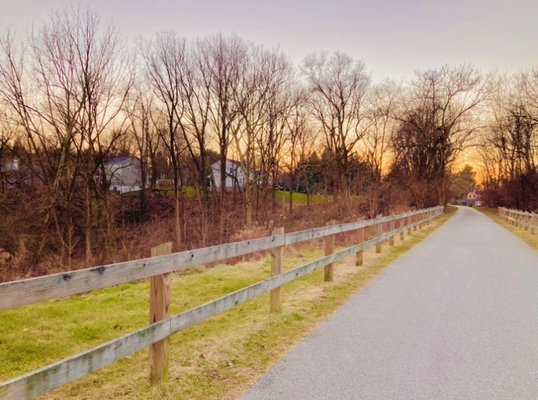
[158, 268]
[522, 219]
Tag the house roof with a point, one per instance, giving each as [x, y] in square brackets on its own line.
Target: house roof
[217, 163]
[119, 160]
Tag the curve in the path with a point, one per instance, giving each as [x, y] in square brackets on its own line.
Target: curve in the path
[456, 317]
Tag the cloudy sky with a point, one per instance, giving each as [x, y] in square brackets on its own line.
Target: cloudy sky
[393, 37]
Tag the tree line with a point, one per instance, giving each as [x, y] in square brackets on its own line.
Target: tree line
[73, 95]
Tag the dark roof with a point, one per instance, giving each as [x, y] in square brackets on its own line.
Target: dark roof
[236, 163]
[119, 160]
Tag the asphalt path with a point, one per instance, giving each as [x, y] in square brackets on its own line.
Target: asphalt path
[456, 317]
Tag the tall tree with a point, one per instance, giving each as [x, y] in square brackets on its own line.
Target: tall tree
[264, 72]
[509, 149]
[383, 100]
[436, 124]
[301, 140]
[145, 127]
[223, 58]
[166, 69]
[338, 86]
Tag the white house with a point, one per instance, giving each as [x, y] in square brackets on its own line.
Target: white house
[125, 174]
[11, 165]
[234, 175]
[13, 174]
[473, 198]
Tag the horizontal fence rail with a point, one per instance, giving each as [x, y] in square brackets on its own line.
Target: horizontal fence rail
[57, 374]
[522, 219]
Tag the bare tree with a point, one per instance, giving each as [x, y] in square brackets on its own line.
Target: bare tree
[436, 125]
[301, 140]
[166, 68]
[223, 58]
[197, 91]
[7, 136]
[264, 71]
[509, 149]
[375, 147]
[65, 94]
[270, 141]
[144, 129]
[338, 85]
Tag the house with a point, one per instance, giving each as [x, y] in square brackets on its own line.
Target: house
[234, 175]
[11, 165]
[14, 175]
[473, 198]
[124, 174]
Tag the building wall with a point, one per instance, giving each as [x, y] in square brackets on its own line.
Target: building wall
[127, 176]
[234, 175]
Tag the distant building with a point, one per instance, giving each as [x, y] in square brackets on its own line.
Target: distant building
[14, 175]
[234, 175]
[11, 165]
[125, 174]
[473, 198]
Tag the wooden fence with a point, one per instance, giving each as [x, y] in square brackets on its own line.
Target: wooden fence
[522, 219]
[158, 268]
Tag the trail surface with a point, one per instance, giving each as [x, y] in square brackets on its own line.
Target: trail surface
[456, 317]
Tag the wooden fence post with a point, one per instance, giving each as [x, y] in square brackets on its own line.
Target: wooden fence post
[329, 249]
[276, 268]
[379, 233]
[159, 310]
[359, 254]
[401, 224]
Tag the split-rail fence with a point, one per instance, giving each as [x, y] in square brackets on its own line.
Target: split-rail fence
[158, 268]
[522, 219]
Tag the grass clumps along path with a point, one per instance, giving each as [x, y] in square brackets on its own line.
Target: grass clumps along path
[217, 359]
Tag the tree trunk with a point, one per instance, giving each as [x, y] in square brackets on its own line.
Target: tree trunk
[249, 192]
[222, 194]
[88, 223]
[178, 220]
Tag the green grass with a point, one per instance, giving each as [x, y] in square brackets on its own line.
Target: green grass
[524, 234]
[188, 191]
[217, 359]
[280, 195]
[301, 198]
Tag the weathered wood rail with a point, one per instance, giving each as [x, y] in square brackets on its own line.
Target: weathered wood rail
[23, 292]
[522, 219]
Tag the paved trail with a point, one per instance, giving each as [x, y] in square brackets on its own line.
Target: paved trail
[456, 317]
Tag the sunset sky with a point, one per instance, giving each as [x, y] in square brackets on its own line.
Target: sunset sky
[393, 37]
